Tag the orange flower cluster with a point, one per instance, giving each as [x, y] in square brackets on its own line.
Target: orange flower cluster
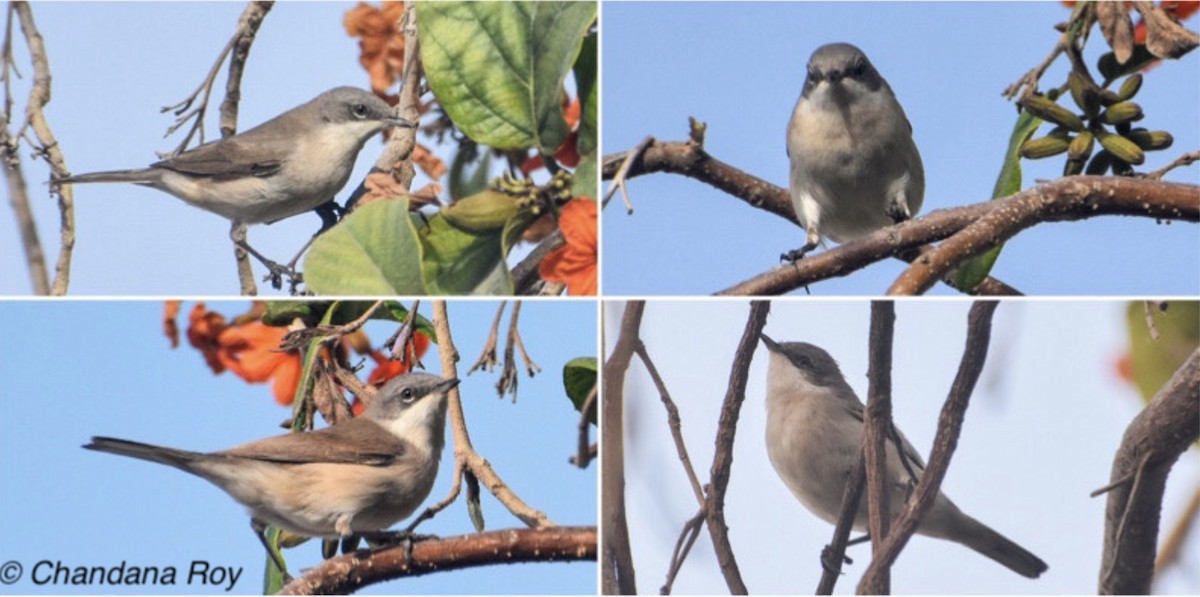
[575, 264]
[380, 43]
[249, 349]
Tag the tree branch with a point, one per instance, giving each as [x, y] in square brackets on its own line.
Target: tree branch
[350, 572]
[616, 560]
[1155, 439]
[1086, 196]
[877, 423]
[979, 329]
[723, 457]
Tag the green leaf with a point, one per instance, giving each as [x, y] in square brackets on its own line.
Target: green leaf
[498, 68]
[579, 377]
[1153, 362]
[273, 576]
[373, 251]
[1008, 183]
[589, 95]
[460, 262]
[586, 178]
[464, 184]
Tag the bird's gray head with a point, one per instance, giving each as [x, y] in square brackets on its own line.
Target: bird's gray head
[842, 70]
[351, 104]
[803, 363]
[413, 407]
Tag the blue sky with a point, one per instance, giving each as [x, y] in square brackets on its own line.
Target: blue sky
[77, 369]
[739, 67]
[115, 65]
[1040, 434]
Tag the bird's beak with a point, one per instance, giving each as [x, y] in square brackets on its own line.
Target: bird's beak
[772, 345]
[403, 123]
[447, 385]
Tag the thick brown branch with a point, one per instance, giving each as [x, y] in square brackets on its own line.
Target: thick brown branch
[348, 573]
[1070, 198]
[832, 557]
[1168, 425]
[979, 329]
[616, 560]
[735, 394]
[1083, 197]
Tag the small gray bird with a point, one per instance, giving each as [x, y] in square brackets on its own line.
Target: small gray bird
[854, 166]
[286, 166]
[815, 438]
[359, 476]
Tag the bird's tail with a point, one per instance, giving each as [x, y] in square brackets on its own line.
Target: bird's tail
[981, 538]
[180, 459]
[143, 176]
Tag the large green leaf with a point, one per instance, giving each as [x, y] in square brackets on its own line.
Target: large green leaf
[586, 178]
[497, 68]
[372, 251]
[589, 95]
[459, 262]
[1007, 183]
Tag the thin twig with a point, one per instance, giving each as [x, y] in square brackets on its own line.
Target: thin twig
[683, 546]
[735, 394]
[487, 357]
[835, 553]
[1186, 159]
[674, 423]
[979, 327]
[618, 180]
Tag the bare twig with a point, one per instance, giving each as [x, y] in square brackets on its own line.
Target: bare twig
[328, 333]
[877, 424]
[402, 343]
[35, 120]
[683, 546]
[487, 357]
[723, 456]
[617, 575]
[835, 553]
[585, 453]
[1186, 159]
[1029, 81]
[979, 326]
[525, 277]
[1155, 439]
[465, 456]
[348, 573]
[508, 376]
[618, 179]
[674, 423]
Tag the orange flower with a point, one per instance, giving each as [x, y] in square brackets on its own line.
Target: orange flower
[381, 44]
[575, 264]
[252, 353]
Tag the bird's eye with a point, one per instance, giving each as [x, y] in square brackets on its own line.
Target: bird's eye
[858, 69]
[359, 110]
[406, 394]
[804, 362]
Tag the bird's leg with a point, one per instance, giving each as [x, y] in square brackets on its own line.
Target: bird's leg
[406, 538]
[276, 272]
[260, 530]
[814, 239]
[331, 213]
[897, 208]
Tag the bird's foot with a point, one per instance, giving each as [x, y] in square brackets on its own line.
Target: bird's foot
[830, 563]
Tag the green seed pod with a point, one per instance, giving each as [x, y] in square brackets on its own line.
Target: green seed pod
[1122, 112]
[484, 212]
[1081, 148]
[1099, 164]
[1073, 167]
[1085, 93]
[1121, 148]
[1048, 110]
[1151, 140]
[1108, 98]
[1036, 149]
[1130, 87]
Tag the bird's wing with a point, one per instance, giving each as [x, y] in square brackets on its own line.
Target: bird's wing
[856, 410]
[260, 151]
[357, 441]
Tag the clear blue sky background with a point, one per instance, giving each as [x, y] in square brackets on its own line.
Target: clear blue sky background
[739, 67]
[77, 369]
[1039, 436]
[115, 65]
